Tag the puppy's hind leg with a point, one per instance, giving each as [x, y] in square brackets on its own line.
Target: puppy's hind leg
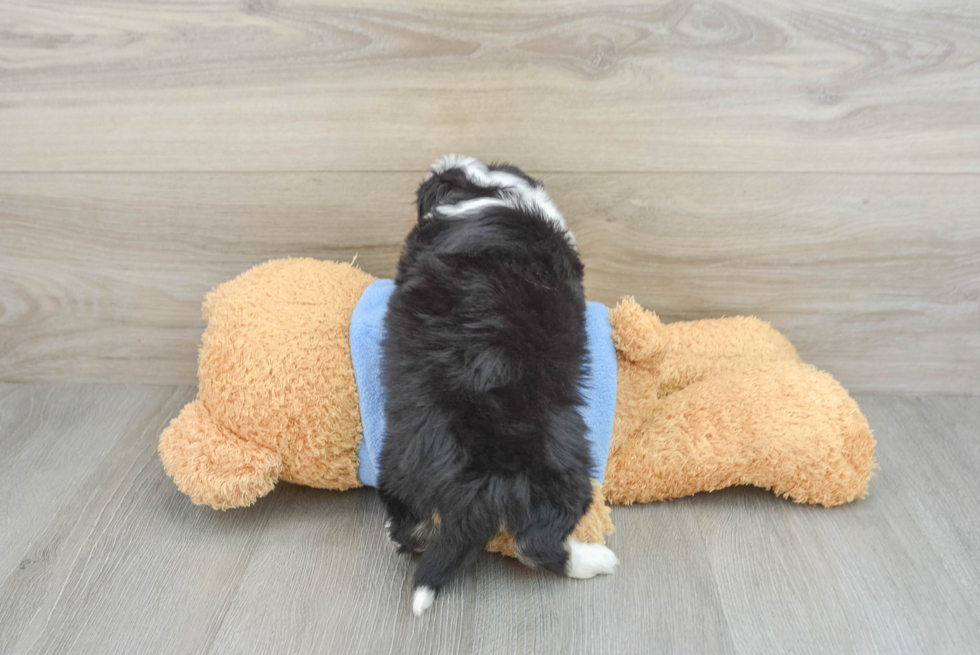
[457, 544]
[588, 560]
[402, 525]
[547, 542]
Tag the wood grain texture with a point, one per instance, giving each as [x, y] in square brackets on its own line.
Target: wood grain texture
[102, 276]
[670, 85]
[123, 563]
[875, 278]
[114, 571]
[39, 466]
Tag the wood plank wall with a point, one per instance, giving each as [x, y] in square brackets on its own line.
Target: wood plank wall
[816, 164]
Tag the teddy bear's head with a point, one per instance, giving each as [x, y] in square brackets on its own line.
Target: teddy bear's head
[277, 396]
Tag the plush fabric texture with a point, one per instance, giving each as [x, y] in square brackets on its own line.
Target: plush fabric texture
[704, 405]
[367, 332]
[699, 406]
[277, 398]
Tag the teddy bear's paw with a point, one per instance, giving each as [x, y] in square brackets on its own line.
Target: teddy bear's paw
[588, 560]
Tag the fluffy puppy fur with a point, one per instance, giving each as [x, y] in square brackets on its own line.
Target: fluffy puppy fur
[483, 358]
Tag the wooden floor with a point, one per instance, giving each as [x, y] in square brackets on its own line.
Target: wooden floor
[100, 553]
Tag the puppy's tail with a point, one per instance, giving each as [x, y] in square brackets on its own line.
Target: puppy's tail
[458, 543]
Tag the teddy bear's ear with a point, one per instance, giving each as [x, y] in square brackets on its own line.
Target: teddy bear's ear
[638, 333]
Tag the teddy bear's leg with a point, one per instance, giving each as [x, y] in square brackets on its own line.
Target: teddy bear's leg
[786, 427]
[212, 465]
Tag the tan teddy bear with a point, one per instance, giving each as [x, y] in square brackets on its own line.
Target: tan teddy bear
[700, 405]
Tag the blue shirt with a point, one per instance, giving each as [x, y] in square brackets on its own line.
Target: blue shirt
[367, 330]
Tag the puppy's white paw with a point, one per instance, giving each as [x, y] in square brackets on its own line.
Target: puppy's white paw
[422, 600]
[588, 560]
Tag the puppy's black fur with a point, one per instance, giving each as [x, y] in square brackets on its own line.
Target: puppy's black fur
[483, 357]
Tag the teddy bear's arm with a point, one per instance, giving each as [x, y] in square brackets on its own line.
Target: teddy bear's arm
[675, 355]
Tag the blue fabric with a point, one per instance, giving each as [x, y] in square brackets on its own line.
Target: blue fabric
[367, 329]
[599, 387]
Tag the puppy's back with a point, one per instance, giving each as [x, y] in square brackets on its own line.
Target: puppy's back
[488, 316]
[484, 353]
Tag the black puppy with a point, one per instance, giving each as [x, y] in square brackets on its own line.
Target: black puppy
[483, 357]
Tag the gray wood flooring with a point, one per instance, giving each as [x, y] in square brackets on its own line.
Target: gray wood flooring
[99, 553]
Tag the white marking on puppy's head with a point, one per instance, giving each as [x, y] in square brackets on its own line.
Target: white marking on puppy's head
[534, 198]
[477, 172]
[507, 189]
[469, 207]
[453, 161]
